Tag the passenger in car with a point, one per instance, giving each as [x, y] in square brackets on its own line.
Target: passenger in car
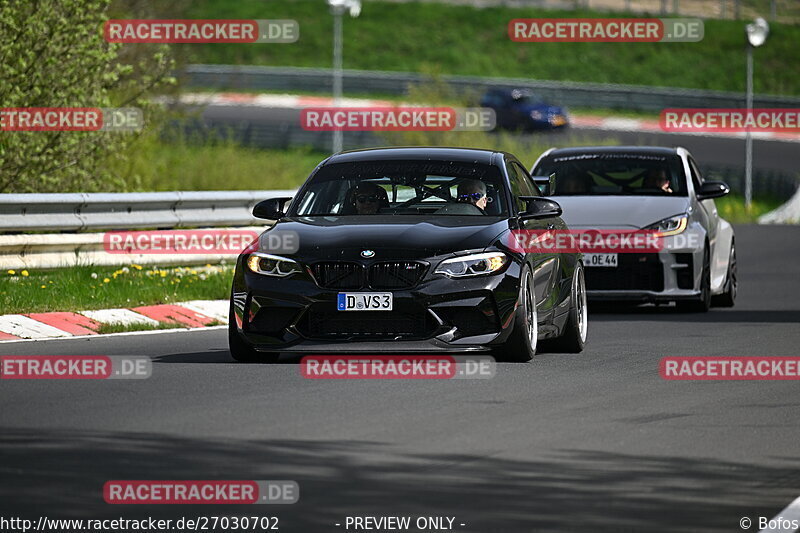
[365, 199]
[657, 179]
[473, 192]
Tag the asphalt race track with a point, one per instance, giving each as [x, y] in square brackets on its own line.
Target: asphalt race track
[589, 442]
[720, 151]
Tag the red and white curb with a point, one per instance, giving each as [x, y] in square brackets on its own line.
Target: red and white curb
[278, 100]
[192, 314]
[291, 101]
[653, 126]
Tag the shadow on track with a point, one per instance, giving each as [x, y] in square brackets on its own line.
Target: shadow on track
[61, 473]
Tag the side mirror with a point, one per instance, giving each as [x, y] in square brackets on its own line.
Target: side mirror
[713, 189]
[545, 184]
[271, 209]
[538, 207]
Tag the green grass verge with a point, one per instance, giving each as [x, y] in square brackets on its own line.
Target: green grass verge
[732, 209]
[447, 39]
[87, 287]
[156, 165]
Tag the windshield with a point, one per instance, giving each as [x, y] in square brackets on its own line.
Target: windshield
[615, 174]
[430, 188]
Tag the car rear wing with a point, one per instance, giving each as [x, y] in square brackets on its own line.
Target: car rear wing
[545, 184]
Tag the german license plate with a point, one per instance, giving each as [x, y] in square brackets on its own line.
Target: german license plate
[600, 260]
[364, 301]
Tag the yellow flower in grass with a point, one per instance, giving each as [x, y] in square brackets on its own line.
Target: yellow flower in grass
[12, 272]
[137, 267]
[106, 280]
[24, 273]
[44, 286]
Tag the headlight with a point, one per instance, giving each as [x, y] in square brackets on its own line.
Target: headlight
[472, 265]
[536, 115]
[670, 226]
[272, 265]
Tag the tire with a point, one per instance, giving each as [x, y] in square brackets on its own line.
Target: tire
[573, 338]
[240, 350]
[703, 304]
[521, 344]
[728, 298]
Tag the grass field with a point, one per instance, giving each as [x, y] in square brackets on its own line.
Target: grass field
[446, 39]
[87, 287]
[732, 209]
[156, 165]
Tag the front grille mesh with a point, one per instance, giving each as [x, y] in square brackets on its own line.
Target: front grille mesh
[338, 275]
[382, 276]
[365, 324]
[642, 272]
[395, 275]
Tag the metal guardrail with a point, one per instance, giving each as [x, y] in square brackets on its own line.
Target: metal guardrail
[58, 250]
[100, 211]
[22, 216]
[634, 97]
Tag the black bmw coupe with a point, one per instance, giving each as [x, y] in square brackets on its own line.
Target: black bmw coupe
[407, 251]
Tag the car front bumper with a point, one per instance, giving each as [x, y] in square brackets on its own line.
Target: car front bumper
[656, 277]
[295, 315]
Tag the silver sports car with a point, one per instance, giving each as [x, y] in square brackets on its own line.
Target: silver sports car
[651, 188]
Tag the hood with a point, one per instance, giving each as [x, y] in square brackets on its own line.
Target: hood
[619, 212]
[390, 237]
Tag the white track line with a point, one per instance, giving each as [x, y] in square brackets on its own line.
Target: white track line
[789, 517]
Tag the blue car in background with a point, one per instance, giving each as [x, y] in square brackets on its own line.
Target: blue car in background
[520, 109]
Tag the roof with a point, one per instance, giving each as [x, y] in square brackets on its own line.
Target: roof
[471, 155]
[639, 150]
